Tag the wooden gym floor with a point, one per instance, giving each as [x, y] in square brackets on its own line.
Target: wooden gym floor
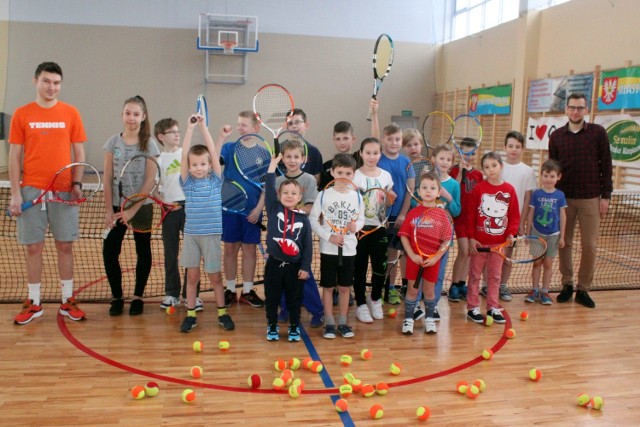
[59, 372]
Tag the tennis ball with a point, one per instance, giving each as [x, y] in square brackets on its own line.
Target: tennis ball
[392, 313]
[278, 384]
[224, 345]
[473, 391]
[583, 399]
[287, 377]
[197, 346]
[151, 389]
[306, 362]
[395, 368]
[316, 367]
[524, 315]
[254, 381]
[482, 386]
[196, 372]
[423, 413]
[137, 392]
[345, 390]
[294, 391]
[376, 412]
[368, 390]
[382, 388]
[294, 363]
[299, 382]
[462, 387]
[487, 354]
[356, 385]
[349, 377]
[188, 396]
[535, 374]
[342, 405]
[510, 333]
[280, 365]
[366, 354]
[597, 402]
[346, 360]
[170, 310]
[488, 321]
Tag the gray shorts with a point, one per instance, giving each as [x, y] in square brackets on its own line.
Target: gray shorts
[61, 218]
[552, 242]
[207, 247]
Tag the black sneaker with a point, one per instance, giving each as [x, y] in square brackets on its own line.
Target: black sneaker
[273, 332]
[252, 299]
[583, 298]
[188, 324]
[475, 316]
[137, 307]
[226, 322]
[116, 307]
[566, 294]
[329, 332]
[345, 331]
[230, 297]
[496, 313]
[294, 333]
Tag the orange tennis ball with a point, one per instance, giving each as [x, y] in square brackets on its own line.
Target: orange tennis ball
[395, 368]
[535, 374]
[254, 381]
[462, 387]
[423, 413]
[306, 362]
[382, 388]
[482, 386]
[294, 363]
[488, 321]
[583, 399]
[510, 333]
[342, 405]
[368, 390]
[487, 354]
[524, 315]
[197, 346]
[287, 377]
[366, 354]
[171, 310]
[346, 360]
[316, 367]
[151, 389]
[294, 391]
[376, 412]
[280, 365]
[188, 396]
[392, 313]
[196, 372]
[298, 382]
[473, 391]
[597, 403]
[224, 345]
[137, 392]
[278, 384]
[345, 390]
[356, 385]
[349, 377]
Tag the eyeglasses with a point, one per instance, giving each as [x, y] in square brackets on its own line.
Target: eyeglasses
[175, 132]
[576, 108]
[295, 122]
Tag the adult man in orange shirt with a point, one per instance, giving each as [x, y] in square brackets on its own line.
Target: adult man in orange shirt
[46, 132]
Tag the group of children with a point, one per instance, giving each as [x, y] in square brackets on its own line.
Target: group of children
[489, 207]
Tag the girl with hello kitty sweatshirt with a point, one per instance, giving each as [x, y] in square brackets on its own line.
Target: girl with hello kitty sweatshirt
[494, 218]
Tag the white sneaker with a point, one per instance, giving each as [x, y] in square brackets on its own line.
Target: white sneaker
[169, 301]
[430, 326]
[407, 326]
[376, 309]
[199, 304]
[363, 315]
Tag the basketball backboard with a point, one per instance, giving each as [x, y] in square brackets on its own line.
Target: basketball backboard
[227, 33]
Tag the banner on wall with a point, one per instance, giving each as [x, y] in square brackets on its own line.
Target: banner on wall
[490, 100]
[624, 138]
[619, 89]
[539, 129]
[550, 95]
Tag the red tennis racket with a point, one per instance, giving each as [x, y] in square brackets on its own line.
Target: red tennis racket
[432, 235]
[144, 213]
[272, 104]
[521, 250]
[340, 205]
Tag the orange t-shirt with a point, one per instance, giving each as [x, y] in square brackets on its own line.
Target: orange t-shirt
[46, 135]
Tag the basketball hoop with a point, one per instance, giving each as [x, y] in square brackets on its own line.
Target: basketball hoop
[229, 46]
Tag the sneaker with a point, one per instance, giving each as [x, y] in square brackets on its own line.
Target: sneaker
[583, 298]
[505, 295]
[363, 315]
[294, 333]
[566, 294]
[71, 310]
[230, 297]
[418, 313]
[532, 296]
[188, 324]
[436, 315]
[28, 313]
[116, 307]
[463, 292]
[430, 326]
[136, 308]
[273, 332]
[545, 299]
[376, 309]
[199, 304]
[329, 332]
[407, 327]
[226, 322]
[169, 301]
[252, 299]
[394, 296]
[283, 316]
[317, 320]
[454, 294]
[475, 316]
[496, 313]
[336, 295]
[483, 291]
[346, 331]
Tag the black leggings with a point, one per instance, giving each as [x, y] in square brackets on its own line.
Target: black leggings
[373, 246]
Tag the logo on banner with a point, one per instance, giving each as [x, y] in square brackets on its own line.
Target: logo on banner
[541, 131]
[473, 103]
[609, 90]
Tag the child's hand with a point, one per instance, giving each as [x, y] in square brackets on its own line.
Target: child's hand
[473, 246]
[337, 239]
[194, 119]
[373, 104]
[430, 261]
[445, 194]
[391, 197]
[417, 259]
[225, 131]
[351, 227]
[561, 243]
[274, 163]
[254, 215]
[303, 275]
[399, 221]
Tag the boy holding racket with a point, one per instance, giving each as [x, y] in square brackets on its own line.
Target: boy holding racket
[44, 154]
[548, 219]
[201, 180]
[297, 122]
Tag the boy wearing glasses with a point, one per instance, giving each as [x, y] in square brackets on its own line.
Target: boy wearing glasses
[297, 122]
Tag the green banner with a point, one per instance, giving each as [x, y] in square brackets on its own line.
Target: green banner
[490, 100]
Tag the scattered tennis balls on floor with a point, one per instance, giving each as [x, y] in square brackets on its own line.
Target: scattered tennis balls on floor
[346, 360]
[342, 405]
[366, 354]
[524, 315]
[188, 396]
[488, 321]
[510, 333]
[196, 372]
[171, 310]
[583, 399]
[423, 413]
[376, 411]
[392, 313]
[535, 374]
[462, 387]
[395, 368]
[151, 389]
[224, 345]
[197, 346]
[487, 354]
[137, 392]
[254, 381]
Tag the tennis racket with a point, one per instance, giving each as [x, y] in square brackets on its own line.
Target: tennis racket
[466, 126]
[72, 185]
[377, 208]
[340, 205]
[235, 199]
[140, 175]
[415, 169]
[272, 104]
[252, 156]
[382, 62]
[432, 235]
[201, 109]
[144, 213]
[521, 250]
[437, 128]
[391, 264]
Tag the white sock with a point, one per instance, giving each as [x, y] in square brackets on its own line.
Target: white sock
[34, 293]
[67, 289]
[246, 287]
[231, 286]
